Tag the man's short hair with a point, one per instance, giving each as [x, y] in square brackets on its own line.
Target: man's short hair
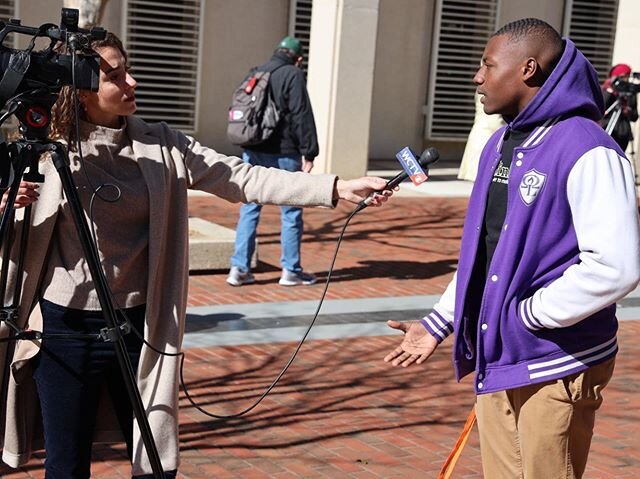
[537, 30]
[528, 28]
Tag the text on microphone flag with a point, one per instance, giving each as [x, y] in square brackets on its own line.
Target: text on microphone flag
[411, 166]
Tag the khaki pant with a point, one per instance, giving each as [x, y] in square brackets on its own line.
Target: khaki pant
[542, 431]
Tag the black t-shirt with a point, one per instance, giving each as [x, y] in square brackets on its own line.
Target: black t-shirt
[494, 216]
[497, 198]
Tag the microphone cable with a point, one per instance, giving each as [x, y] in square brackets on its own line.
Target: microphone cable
[298, 347]
[273, 384]
[429, 156]
[127, 326]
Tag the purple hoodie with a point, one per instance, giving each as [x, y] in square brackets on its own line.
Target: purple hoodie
[538, 243]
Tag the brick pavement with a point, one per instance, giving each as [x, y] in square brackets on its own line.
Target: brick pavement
[340, 411]
[415, 241]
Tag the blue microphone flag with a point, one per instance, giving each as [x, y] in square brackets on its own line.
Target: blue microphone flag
[411, 166]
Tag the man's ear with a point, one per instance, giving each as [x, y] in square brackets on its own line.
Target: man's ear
[530, 69]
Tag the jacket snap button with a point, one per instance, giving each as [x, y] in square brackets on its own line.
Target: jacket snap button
[520, 155]
[480, 385]
[494, 278]
[519, 163]
[484, 327]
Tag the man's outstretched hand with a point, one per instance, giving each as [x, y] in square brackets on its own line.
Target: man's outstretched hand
[416, 347]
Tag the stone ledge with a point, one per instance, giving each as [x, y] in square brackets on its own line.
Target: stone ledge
[211, 246]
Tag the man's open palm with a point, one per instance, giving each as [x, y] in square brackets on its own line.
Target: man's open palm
[416, 347]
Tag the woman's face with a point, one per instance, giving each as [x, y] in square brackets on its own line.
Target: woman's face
[115, 96]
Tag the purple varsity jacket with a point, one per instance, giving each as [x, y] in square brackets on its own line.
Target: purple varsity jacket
[537, 246]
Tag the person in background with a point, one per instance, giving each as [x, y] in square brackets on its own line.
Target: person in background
[292, 147]
[483, 127]
[551, 242]
[69, 391]
[627, 103]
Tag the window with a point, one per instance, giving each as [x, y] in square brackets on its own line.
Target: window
[7, 9]
[300, 25]
[591, 24]
[163, 41]
[460, 34]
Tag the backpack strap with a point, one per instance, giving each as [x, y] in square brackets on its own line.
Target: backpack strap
[272, 69]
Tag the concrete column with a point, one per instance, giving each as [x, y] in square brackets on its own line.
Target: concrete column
[340, 82]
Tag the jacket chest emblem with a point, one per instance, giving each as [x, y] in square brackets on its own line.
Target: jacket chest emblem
[531, 185]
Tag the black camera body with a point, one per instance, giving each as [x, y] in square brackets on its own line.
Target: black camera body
[30, 81]
[627, 88]
[26, 70]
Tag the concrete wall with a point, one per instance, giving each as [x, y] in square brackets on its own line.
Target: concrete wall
[403, 55]
[34, 13]
[551, 11]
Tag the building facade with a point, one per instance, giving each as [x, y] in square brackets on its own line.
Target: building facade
[382, 74]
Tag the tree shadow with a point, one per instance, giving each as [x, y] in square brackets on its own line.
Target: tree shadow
[339, 380]
[393, 270]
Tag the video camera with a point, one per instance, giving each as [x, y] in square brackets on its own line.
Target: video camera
[28, 70]
[31, 80]
[627, 87]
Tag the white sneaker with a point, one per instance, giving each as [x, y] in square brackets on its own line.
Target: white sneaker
[289, 278]
[238, 278]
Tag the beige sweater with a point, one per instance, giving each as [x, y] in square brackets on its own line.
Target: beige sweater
[170, 163]
[120, 218]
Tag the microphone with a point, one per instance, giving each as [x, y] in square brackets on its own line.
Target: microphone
[406, 157]
[428, 157]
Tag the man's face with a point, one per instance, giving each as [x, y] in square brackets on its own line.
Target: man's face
[500, 77]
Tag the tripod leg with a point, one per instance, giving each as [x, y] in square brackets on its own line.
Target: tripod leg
[613, 121]
[7, 219]
[61, 164]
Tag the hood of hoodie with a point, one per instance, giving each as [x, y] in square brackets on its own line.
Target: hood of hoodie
[572, 89]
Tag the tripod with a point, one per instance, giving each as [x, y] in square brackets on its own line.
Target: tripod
[615, 109]
[33, 113]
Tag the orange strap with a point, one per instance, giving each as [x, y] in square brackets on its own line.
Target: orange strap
[450, 464]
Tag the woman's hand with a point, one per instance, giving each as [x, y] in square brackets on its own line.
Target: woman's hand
[27, 194]
[359, 189]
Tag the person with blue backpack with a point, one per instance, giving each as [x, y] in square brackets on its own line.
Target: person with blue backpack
[291, 146]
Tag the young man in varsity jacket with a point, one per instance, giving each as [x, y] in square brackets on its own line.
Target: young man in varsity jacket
[550, 243]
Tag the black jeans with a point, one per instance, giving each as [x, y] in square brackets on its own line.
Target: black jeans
[69, 376]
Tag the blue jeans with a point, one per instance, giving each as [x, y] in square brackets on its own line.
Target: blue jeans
[291, 217]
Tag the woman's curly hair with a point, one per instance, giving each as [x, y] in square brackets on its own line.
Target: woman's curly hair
[63, 115]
